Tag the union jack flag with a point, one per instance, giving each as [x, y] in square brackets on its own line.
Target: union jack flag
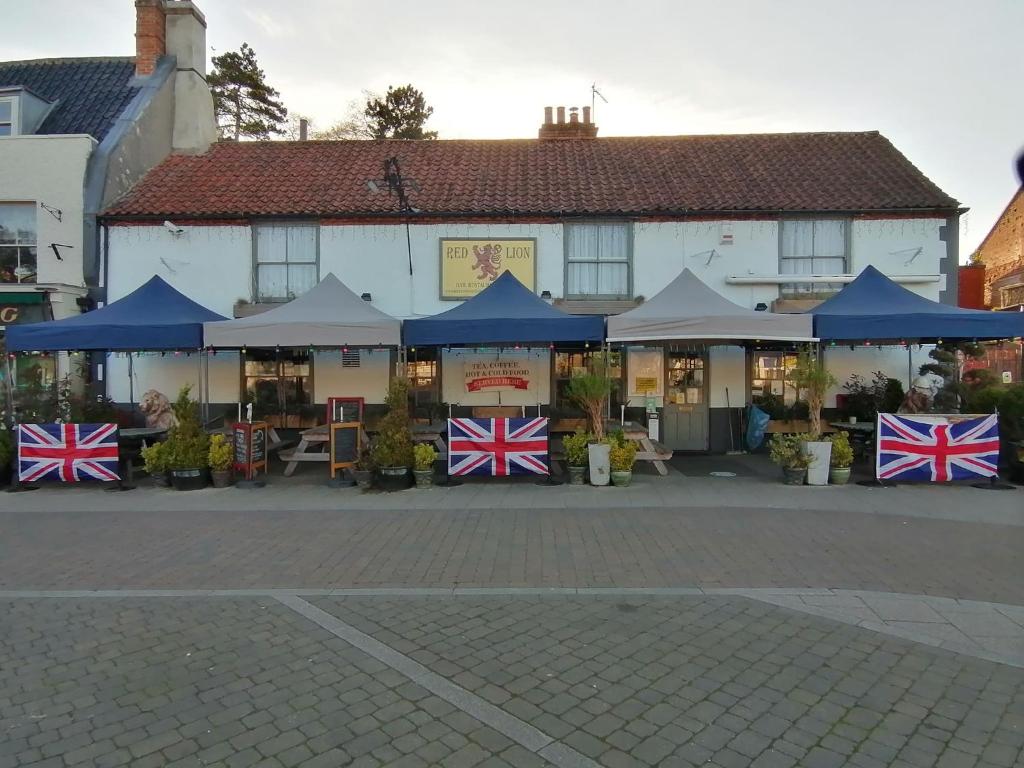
[67, 453]
[498, 447]
[912, 448]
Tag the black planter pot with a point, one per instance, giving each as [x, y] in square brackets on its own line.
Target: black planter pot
[393, 478]
[6, 475]
[188, 479]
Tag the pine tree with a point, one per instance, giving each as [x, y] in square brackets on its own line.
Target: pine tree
[245, 105]
[401, 114]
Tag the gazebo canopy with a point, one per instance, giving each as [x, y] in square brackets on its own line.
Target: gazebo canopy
[154, 316]
[328, 315]
[687, 308]
[875, 307]
[505, 312]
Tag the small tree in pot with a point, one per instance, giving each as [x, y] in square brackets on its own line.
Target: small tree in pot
[811, 376]
[220, 456]
[187, 445]
[590, 391]
[576, 455]
[393, 449]
[842, 458]
[424, 456]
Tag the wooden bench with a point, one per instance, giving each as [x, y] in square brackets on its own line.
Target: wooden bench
[661, 452]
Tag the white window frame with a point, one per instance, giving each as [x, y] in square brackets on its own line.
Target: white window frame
[24, 244]
[788, 289]
[628, 225]
[14, 121]
[256, 263]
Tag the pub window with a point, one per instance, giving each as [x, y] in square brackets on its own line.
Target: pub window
[424, 384]
[813, 247]
[598, 260]
[771, 381]
[279, 384]
[17, 243]
[286, 260]
[570, 362]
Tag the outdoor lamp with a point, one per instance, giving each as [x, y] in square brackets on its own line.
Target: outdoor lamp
[366, 296]
[760, 307]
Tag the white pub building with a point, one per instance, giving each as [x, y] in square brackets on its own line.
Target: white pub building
[594, 225]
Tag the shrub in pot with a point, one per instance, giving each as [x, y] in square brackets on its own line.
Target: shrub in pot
[155, 459]
[787, 452]
[219, 457]
[621, 457]
[590, 390]
[363, 470]
[576, 455]
[424, 456]
[841, 459]
[187, 445]
[393, 449]
[811, 376]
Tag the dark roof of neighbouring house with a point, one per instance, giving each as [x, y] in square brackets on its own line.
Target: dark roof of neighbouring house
[90, 93]
[612, 176]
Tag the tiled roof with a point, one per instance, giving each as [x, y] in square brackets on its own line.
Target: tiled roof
[90, 93]
[605, 176]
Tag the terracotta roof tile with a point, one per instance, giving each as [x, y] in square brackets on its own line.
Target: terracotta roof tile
[628, 175]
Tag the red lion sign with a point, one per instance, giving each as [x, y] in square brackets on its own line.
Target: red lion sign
[488, 260]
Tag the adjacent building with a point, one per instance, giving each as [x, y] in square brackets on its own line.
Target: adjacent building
[76, 134]
[1002, 254]
[770, 221]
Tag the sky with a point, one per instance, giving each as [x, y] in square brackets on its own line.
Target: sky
[940, 78]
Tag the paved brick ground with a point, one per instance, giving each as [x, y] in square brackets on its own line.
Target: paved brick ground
[645, 547]
[622, 681]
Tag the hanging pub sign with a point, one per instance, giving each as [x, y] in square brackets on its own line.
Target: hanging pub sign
[250, 440]
[346, 409]
[494, 375]
[345, 441]
[469, 265]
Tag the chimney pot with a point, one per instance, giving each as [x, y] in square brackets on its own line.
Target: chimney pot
[561, 115]
[303, 128]
[547, 115]
[574, 115]
[586, 115]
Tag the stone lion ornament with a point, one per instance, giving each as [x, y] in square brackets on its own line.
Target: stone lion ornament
[157, 409]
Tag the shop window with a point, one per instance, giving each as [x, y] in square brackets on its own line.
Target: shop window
[1012, 296]
[286, 260]
[813, 247]
[598, 260]
[570, 362]
[771, 382]
[279, 384]
[17, 243]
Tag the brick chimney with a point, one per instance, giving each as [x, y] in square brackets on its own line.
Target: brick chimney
[150, 35]
[574, 129]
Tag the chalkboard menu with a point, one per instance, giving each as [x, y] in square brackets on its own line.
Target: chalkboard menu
[250, 447]
[345, 442]
[344, 409]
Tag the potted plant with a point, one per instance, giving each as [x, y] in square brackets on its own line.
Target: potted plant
[842, 458]
[6, 454]
[424, 456]
[393, 449]
[787, 452]
[363, 470]
[155, 458]
[576, 455]
[590, 391]
[811, 376]
[219, 457]
[187, 445]
[622, 457]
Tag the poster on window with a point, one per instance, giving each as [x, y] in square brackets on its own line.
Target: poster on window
[468, 265]
[646, 368]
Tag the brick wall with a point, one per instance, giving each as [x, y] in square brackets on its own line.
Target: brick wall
[150, 35]
[1002, 250]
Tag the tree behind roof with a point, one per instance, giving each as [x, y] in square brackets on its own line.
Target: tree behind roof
[246, 106]
[401, 114]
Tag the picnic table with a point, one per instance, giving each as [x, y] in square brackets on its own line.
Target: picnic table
[650, 450]
[862, 436]
[313, 444]
[130, 443]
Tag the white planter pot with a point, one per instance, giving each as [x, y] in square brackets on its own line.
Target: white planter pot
[600, 468]
[820, 452]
